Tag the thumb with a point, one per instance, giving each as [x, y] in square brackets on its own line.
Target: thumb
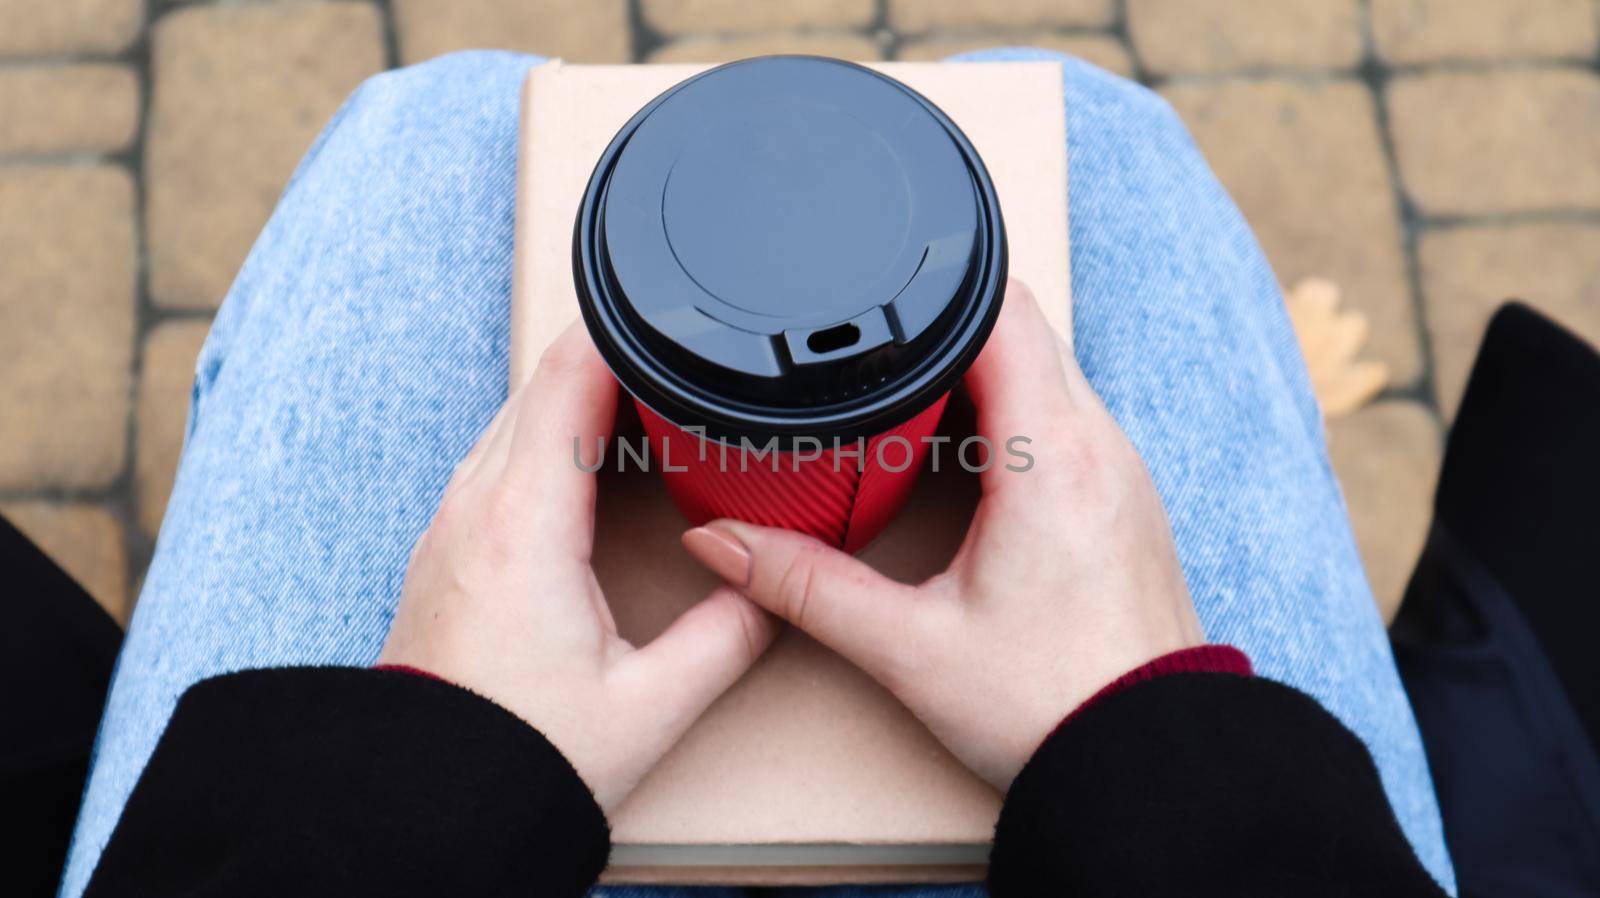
[703, 653]
[838, 600]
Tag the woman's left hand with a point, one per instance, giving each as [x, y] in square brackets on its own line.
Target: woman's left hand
[500, 597]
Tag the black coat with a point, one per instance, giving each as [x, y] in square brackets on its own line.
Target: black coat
[340, 781]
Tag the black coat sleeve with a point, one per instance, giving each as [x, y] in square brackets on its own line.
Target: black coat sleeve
[1202, 784]
[331, 781]
[339, 782]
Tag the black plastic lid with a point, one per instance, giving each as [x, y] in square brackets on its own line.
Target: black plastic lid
[789, 245]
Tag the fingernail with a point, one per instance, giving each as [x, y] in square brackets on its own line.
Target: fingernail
[721, 552]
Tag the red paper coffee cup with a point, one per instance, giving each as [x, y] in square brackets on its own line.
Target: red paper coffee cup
[789, 262]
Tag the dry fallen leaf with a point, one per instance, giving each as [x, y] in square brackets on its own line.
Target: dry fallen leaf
[1330, 339]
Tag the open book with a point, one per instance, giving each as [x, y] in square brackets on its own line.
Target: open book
[806, 771]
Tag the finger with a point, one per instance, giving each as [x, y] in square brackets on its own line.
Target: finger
[1077, 385]
[704, 652]
[838, 600]
[1021, 373]
[567, 408]
[485, 446]
[498, 454]
[1030, 396]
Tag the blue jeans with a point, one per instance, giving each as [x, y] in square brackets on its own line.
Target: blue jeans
[363, 347]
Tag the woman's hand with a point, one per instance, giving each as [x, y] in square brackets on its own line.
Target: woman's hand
[1068, 577]
[500, 597]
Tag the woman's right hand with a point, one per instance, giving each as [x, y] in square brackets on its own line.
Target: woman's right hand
[1068, 577]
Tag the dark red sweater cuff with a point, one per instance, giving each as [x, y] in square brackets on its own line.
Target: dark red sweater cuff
[406, 668]
[1197, 659]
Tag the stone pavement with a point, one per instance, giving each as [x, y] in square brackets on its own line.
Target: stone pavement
[1430, 156]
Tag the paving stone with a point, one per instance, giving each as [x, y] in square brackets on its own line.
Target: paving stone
[1504, 141]
[56, 109]
[715, 16]
[1387, 459]
[1183, 36]
[1102, 50]
[842, 46]
[86, 541]
[1305, 164]
[165, 384]
[58, 27]
[1427, 31]
[240, 92]
[1468, 272]
[575, 30]
[66, 325]
[919, 16]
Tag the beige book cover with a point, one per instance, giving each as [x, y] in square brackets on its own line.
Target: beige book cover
[806, 771]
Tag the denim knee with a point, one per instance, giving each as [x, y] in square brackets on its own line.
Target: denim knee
[392, 136]
[446, 92]
[449, 74]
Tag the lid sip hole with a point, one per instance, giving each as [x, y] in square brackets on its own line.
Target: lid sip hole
[833, 338]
